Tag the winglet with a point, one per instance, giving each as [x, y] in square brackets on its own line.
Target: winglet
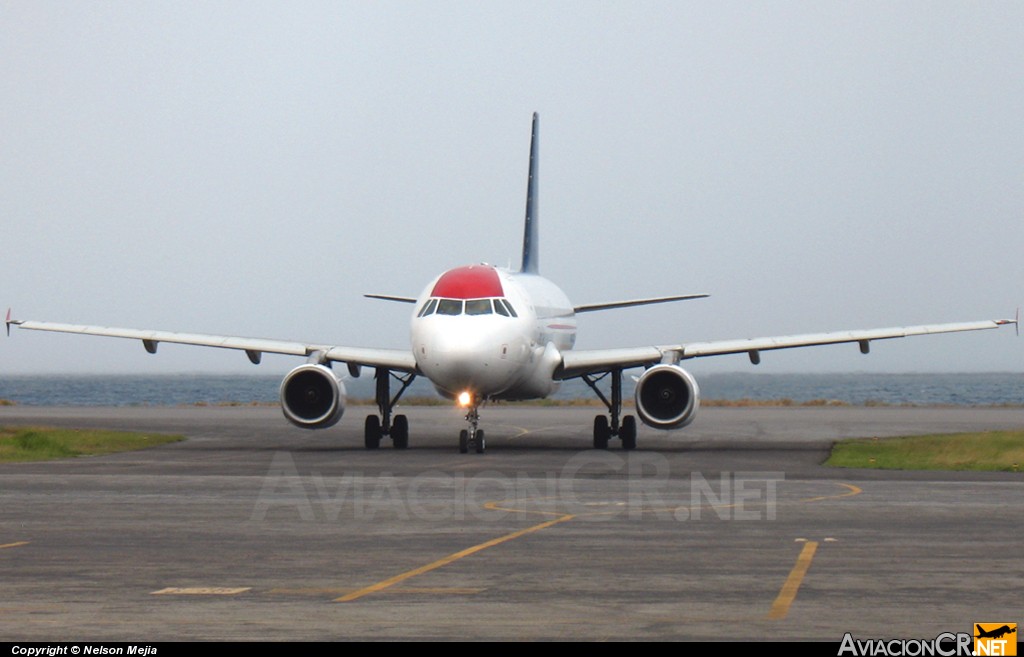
[1015, 321]
[7, 322]
[531, 260]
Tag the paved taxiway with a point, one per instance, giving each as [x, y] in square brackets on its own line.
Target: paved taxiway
[728, 529]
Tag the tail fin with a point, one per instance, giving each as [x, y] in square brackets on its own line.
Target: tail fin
[531, 244]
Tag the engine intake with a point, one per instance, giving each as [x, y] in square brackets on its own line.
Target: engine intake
[312, 397]
[667, 397]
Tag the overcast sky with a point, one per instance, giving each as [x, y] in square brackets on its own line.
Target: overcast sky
[252, 168]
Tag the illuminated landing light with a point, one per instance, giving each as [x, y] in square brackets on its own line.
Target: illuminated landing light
[465, 398]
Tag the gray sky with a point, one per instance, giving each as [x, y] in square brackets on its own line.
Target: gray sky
[253, 168]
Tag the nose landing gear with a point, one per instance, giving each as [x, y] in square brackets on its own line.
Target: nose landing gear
[473, 437]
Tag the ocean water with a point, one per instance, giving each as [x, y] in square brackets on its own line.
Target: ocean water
[856, 389]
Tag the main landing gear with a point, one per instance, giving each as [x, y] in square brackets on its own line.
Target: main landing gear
[603, 429]
[473, 437]
[376, 426]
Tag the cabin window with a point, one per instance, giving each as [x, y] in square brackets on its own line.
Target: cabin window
[449, 307]
[478, 307]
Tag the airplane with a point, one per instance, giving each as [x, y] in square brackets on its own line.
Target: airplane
[996, 633]
[482, 333]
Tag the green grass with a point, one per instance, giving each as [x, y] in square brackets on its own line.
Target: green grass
[44, 444]
[988, 450]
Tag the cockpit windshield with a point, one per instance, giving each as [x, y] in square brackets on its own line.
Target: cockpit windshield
[498, 306]
[503, 307]
[478, 307]
[428, 308]
[449, 307]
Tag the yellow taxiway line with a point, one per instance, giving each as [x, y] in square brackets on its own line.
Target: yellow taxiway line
[851, 491]
[796, 576]
[387, 583]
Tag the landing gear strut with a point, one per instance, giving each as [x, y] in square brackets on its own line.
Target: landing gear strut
[473, 437]
[383, 425]
[603, 429]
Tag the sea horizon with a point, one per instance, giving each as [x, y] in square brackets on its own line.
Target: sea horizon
[851, 388]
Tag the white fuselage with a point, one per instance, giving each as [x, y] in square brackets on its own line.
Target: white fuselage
[492, 333]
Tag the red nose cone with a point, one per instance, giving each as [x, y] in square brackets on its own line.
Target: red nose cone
[472, 282]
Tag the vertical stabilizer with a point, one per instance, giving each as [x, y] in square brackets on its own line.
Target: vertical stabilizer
[531, 260]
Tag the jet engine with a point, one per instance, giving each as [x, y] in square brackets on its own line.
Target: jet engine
[312, 397]
[667, 397]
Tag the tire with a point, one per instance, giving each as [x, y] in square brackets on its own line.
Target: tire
[463, 441]
[601, 432]
[371, 432]
[627, 432]
[400, 432]
[480, 442]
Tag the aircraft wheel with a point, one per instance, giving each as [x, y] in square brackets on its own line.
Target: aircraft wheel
[480, 443]
[371, 432]
[463, 441]
[601, 432]
[400, 432]
[628, 432]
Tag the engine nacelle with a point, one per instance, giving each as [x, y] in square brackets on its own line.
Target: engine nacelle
[667, 397]
[312, 397]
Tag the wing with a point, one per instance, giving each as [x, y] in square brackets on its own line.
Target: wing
[392, 359]
[576, 363]
[391, 297]
[590, 307]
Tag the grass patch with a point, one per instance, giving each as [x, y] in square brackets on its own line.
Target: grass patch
[988, 450]
[44, 444]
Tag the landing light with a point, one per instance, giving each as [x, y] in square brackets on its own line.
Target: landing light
[465, 398]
